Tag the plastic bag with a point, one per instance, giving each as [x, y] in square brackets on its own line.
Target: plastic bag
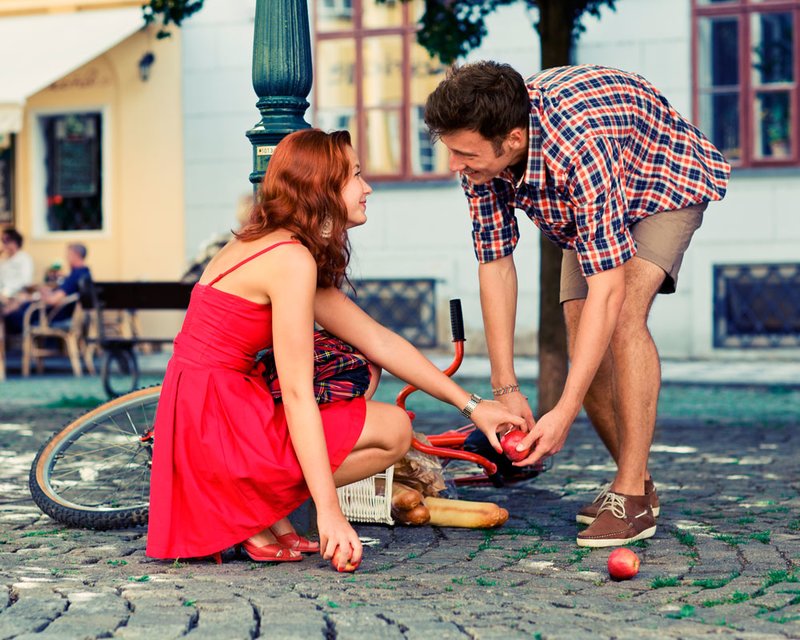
[421, 471]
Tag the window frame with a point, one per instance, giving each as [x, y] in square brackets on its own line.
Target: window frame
[742, 11]
[408, 32]
[38, 173]
[9, 181]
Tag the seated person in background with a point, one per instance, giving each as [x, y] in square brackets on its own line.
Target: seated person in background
[16, 267]
[76, 259]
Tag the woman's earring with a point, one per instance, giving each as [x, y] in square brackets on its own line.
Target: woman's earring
[327, 228]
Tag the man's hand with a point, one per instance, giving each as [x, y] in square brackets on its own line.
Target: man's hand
[548, 436]
[517, 404]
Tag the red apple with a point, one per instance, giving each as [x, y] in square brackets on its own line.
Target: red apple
[623, 564]
[509, 443]
[342, 567]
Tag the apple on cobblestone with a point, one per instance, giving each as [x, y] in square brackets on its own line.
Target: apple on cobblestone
[342, 567]
[623, 564]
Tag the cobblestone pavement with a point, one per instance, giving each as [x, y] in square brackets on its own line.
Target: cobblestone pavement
[724, 563]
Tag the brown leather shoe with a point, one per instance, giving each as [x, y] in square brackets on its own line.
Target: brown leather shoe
[588, 513]
[621, 519]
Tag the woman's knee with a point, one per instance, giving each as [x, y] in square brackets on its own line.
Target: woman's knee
[388, 427]
[401, 430]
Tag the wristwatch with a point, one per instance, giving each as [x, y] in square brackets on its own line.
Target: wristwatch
[474, 401]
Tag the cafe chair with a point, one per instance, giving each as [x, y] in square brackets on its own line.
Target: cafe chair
[45, 336]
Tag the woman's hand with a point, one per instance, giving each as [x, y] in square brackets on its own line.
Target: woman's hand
[492, 417]
[517, 403]
[335, 531]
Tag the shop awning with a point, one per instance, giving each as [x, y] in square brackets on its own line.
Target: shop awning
[37, 50]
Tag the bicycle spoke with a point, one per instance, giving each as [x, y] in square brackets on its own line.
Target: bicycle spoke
[64, 456]
[122, 429]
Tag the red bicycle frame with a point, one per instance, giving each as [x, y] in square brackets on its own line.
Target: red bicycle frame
[449, 445]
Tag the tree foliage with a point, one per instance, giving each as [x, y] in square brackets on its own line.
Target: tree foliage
[169, 12]
[450, 29]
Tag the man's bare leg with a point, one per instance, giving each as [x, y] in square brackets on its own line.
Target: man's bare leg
[599, 400]
[636, 375]
[621, 402]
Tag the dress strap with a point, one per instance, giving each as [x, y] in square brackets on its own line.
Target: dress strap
[248, 259]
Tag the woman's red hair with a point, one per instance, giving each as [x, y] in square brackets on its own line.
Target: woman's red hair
[301, 192]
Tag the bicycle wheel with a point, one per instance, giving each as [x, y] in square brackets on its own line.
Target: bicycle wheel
[119, 372]
[95, 471]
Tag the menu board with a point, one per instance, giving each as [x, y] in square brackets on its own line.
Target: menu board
[76, 156]
[76, 168]
[6, 178]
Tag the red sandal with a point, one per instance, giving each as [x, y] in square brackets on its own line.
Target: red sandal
[297, 543]
[270, 553]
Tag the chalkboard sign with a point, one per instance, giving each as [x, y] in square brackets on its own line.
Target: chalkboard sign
[7, 178]
[76, 156]
[76, 172]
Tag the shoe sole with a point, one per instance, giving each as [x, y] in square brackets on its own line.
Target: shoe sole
[597, 543]
[581, 519]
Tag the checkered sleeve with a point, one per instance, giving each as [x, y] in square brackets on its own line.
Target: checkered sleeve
[495, 232]
[598, 199]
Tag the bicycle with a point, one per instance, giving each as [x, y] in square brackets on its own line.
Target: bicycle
[95, 471]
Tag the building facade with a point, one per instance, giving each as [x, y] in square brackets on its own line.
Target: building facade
[146, 171]
[730, 66]
[91, 146]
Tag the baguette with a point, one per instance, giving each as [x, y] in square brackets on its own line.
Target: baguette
[404, 498]
[465, 513]
[418, 515]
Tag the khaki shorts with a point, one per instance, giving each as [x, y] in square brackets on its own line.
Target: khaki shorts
[661, 239]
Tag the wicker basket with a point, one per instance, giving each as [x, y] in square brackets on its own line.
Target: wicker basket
[368, 500]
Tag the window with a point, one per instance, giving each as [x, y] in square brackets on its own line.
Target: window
[72, 171]
[6, 178]
[372, 78]
[757, 305]
[746, 79]
[406, 306]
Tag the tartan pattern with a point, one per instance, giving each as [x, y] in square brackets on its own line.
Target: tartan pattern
[606, 150]
[340, 372]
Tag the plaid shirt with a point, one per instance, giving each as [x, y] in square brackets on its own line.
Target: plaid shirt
[340, 372]
[606, 150]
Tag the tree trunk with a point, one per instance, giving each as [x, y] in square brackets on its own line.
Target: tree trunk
[555, 31]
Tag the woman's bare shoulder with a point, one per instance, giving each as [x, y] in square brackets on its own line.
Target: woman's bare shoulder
[257, 253]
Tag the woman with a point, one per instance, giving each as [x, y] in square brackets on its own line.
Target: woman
[230, 463]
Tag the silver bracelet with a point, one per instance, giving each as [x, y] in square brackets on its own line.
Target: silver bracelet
[474, 401]
[501, 391]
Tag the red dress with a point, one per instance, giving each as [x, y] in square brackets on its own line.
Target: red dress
[223, 464]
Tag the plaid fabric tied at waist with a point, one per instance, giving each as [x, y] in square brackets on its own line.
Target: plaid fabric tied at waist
[340, 372]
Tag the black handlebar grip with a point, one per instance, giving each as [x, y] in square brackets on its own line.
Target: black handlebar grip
[456, 320]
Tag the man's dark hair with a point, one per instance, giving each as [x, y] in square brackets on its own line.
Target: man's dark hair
[487, 97]
[13, 235]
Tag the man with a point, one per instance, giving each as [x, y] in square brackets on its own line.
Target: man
[16, 269]
[76, 259]
[608, 170]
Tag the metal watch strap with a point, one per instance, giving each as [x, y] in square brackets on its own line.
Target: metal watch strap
[474, 401]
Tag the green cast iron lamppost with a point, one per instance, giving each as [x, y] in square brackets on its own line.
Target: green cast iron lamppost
[281, 76]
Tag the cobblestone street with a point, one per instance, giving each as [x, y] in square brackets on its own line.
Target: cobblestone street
[725, 561]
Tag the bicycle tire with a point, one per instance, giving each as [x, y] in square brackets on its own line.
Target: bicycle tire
[119, 372]
[77, 481]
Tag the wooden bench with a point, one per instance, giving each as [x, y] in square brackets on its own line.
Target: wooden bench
[119, 369]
